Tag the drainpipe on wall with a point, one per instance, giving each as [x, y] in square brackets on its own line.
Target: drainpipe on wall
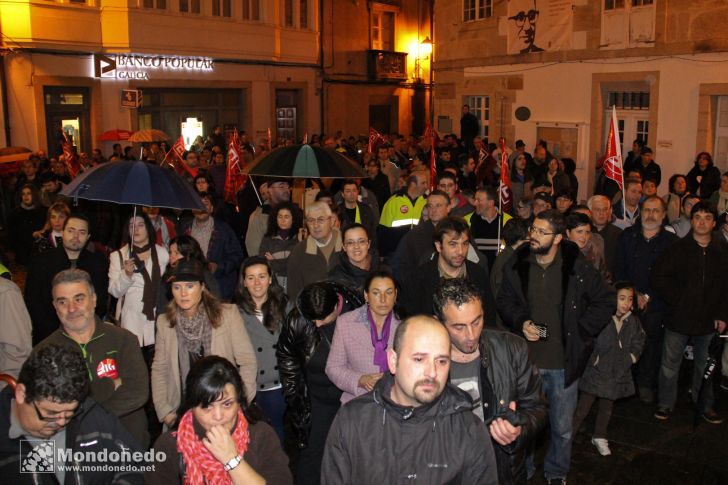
[4, 94]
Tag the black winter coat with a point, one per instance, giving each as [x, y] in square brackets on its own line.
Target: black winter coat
[609, 372]
[297, 343]
[512, 376]
[420, 286]
[693, 282]
[588, 303]
[93, 431]
[375, 441]
[43, 267]
[709, 183]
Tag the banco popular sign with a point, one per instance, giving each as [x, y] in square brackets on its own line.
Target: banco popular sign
[139, 66]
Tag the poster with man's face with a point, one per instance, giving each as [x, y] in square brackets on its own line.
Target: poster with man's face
[539, 25]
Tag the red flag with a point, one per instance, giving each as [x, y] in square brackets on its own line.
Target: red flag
[506, 189]
[482, 157]
[613, 153]
[374, 137]
[174, 158]
[234, 177]
[70, 158]
[270, 140]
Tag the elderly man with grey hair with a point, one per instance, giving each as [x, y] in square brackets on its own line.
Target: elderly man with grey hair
[312, 258]
[601, 215]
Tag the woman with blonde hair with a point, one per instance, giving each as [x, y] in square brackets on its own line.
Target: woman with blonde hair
[49, 237]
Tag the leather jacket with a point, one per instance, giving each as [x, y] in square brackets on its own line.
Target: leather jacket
[298, 340]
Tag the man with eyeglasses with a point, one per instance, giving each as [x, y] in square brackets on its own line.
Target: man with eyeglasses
[312, 259]
[559, 302]
[119, 377]
[49, 411]
[525, 25]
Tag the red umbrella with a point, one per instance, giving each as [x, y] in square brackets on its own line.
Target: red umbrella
[115, 135]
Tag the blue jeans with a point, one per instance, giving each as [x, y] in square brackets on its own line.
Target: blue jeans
[273, 405]
[562, 404]
[672, 355]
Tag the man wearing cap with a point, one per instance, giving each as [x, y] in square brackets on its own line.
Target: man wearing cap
[116, 368]
[279, 190]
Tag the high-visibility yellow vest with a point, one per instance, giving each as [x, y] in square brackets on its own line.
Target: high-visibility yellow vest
[399, 211]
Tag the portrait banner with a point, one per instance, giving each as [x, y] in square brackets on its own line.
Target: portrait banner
[539, 25]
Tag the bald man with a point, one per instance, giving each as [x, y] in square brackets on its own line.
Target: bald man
[424, 425]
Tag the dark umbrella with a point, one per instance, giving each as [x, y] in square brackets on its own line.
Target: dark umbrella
[134, 183]
[714, 349]
[305, 161]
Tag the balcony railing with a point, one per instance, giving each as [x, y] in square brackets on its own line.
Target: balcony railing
[387, 65]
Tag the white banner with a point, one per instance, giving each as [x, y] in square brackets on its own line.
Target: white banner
[539, 25]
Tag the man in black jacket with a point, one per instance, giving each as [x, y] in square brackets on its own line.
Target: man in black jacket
[549, 283]
[73, 254]
[413, 426]
[493, 367]
[48, 417]
[452, 242]
[469, 127]
[691, 277]
[638, 247]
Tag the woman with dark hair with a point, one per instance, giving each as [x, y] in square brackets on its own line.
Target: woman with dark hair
[283, 233]
[262, 304]
[135, 275]
[677, 186]
[27, 217]
[195, 325]
[580, 231]
[49, 236]
[704, 177]
[569, 167]
[521, 180]
[303, 349]
[358, 356]
[219, 438]
[187, 248]
[719, 199]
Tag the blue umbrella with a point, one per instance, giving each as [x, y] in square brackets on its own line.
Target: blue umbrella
[134, 183]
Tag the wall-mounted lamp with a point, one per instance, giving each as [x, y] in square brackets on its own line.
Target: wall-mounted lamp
[425, 48]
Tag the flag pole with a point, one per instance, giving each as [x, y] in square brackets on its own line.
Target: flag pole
[499, 216]
[618, 151]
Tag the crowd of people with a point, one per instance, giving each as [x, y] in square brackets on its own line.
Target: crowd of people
[361, 330]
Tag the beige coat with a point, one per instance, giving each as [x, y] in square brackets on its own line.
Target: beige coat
[229, 340]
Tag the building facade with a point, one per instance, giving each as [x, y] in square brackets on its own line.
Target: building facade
[250, 64]
[553, 69]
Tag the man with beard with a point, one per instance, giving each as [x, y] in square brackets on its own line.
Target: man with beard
[452, 243]
[429, 432]
[638, 248]
[559, 302]
[493, 367]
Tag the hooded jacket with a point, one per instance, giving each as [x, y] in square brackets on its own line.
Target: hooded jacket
[298, 341]
[376, 441]
[588, 303]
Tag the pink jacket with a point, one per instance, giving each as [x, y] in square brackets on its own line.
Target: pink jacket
[352, 352]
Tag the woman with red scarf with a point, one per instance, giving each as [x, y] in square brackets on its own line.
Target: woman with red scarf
[358, 356]
[219, 439]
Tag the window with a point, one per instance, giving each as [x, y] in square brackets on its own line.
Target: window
[189, 6]
[613, 4]
[303, 14]
[295, 14]
[158, 4]
[480, 108]
[477, 9]
[221, 8]
[629, 99]
[251, 9]
[641, 3]
[383, 30]
[627, 23]
[288, 13]
[643, 130]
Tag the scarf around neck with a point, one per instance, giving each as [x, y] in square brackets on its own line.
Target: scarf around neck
[380, 344]
[200, 466]
[151, 282]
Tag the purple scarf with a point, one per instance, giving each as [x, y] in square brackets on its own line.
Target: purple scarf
[380, 345]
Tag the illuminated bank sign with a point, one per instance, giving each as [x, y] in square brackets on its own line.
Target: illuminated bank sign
[139, 66]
